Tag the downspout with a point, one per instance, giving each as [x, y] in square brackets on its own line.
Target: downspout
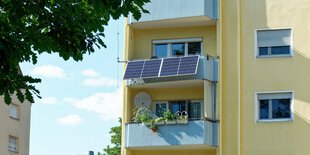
[238, 78]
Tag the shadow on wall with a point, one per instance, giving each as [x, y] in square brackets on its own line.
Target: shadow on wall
[193, 133]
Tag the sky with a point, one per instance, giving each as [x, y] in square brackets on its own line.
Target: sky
[80, 102]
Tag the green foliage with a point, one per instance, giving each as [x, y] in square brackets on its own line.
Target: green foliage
[159, 119]
[170, 116]
[70, 28]
[116, 140]
[144, 117]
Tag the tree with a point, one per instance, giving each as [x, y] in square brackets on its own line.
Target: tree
[116, 139]
[70, 28]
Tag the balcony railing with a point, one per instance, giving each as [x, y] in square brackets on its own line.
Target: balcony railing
[199, 134]
[172, 13]
[207, 70]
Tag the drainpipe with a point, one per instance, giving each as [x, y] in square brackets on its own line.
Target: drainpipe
[238, 77]
[213, 87]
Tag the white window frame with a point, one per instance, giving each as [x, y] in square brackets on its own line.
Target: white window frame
[257, 56]
[16, 144]
[186, 108]
[169, 43]
[17, 112]
[257, 105]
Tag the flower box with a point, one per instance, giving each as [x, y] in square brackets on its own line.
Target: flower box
[181, 121]
[147, 123]
[162, 122]
[171, 122]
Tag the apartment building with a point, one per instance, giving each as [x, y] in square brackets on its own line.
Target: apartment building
[239, 68]
[15, 127]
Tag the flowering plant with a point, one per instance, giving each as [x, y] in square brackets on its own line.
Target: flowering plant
[154, 128]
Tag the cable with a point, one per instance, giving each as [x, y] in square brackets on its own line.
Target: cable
[117, 67]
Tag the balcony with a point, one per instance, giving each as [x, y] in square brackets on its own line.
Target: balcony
[199, 134]
[177, 13]
[207, 70]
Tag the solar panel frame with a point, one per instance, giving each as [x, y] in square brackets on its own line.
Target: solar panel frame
[151, 68]
[135, 73]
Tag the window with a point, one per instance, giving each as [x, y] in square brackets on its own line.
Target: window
[274, 107]
[14, 111]
[193, 108]
[177, 47]
[12, 144]
[160, 108]
[274, 43]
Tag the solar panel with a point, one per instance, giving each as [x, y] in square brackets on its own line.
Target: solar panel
[170, 67]
[151, 68]
[188, 65]
[134, 69]
[161, 67]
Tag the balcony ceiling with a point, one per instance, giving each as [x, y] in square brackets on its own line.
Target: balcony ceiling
[177, 22]
[170, 84]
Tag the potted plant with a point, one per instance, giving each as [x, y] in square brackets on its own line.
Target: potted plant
[182, 117]
[154, 128]
[159, 121]
[170, 118]
[145, 118]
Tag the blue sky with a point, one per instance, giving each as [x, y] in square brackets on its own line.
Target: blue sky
[80, 100]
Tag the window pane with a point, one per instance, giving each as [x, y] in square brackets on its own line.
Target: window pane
[13, 111]
[194, 48]
[281, 108]
[280, 50]
[194, 110]
[263, 109]
[263, 51]
[176, 106]
[161, 50]
[178, 49]
[160, 109]
[12, 143]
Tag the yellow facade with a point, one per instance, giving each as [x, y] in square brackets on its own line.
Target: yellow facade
[19, 128]
[241, 75]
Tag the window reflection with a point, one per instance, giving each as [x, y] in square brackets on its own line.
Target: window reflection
[160, 109]
[161, 50]
[194, 48]
[281, 108]
[263, 109]
[178, 49]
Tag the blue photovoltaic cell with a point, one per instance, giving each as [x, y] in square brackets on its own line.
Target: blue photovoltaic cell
[170, 67]
[134, 69]
[188, 65]
[151, 68]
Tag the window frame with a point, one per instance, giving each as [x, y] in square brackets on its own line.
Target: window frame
[18, 111]
[257, 107]
[16, 144]
[257, 56]
[186, 108]
[169, 43]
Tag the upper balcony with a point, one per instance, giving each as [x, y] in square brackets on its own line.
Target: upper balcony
[177, 13]
[171, 72]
